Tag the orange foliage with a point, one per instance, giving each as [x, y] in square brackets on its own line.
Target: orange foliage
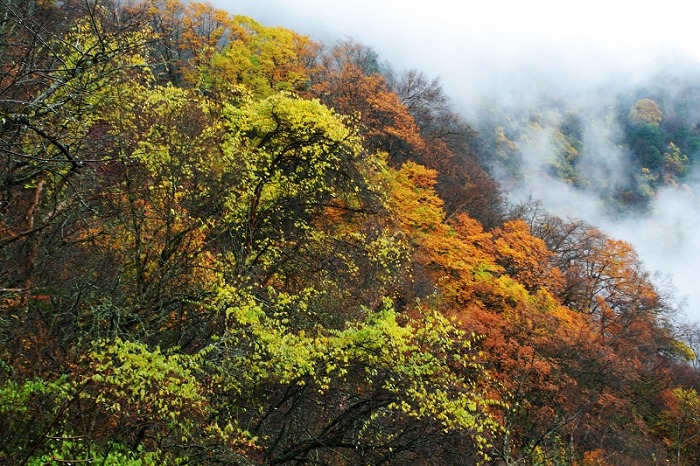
[562, 371]
[526, 257]
[386, 123]
[593, 458]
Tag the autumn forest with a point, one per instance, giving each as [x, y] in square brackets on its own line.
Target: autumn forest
[224, 243]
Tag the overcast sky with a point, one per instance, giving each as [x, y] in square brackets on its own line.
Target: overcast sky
[427, 24]
[466, 42]
[515, 50]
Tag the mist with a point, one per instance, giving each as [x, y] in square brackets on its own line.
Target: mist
[513, 56]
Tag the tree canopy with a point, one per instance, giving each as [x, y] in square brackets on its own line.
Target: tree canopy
[223, 243]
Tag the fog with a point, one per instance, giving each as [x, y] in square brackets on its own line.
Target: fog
[512, 54]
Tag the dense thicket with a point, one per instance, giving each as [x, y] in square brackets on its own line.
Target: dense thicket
[223, 243]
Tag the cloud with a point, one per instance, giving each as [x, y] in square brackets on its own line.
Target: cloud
[667, 241]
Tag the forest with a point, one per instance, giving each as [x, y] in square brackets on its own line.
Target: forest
[225, 243]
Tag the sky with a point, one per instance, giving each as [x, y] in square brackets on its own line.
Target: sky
[515, 51]
[451, 36]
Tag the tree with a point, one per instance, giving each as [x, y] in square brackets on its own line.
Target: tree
[679, 424]
[342, 84]
[646, 111]
[386, 388]
[675, 163]
[292, 157]
[46, 153]
[188, 36]
[526, 257]
[264, 59]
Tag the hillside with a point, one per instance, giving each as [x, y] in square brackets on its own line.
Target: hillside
[224, 243]
[624, 145]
